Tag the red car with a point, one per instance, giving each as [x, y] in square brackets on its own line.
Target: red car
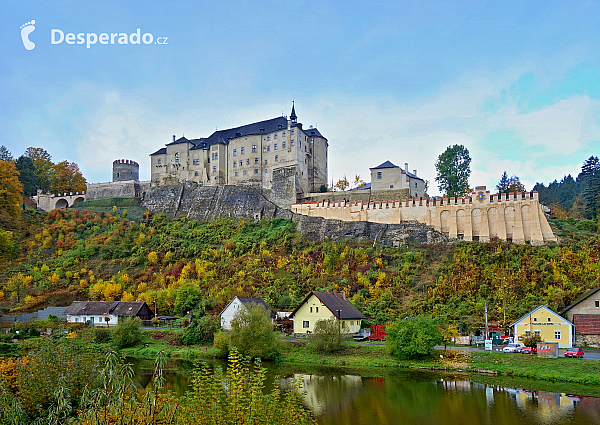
[574, 352]
[529, 350]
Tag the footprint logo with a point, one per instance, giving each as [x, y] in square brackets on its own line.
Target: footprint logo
[26, 29]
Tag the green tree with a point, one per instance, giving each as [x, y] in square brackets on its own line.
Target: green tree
[515, 185]
[412, 338]
[252, 333]
[187, 298]
[201, 331]
[327, 335]
[127, 333]
[453, 171]
[26, 175]
[5, 154]
[503, 184]
[44, 172]
[590, 175]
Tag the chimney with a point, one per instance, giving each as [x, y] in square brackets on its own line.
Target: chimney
[344, 294]
[415, 172]
[406, 167]
[173, 137]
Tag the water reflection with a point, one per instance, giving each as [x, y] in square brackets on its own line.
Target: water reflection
[419, 398]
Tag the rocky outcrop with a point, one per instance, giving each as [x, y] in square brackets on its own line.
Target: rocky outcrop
[205, 203]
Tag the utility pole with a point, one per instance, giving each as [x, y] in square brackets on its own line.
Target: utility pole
[486, 323]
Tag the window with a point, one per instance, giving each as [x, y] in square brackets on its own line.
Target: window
[283, 134]
[256, 160]
[299, 143]
[292, 142]
[253, 148]
[196, 162]
[77, 318]
[537, 333]
[527, 334]
[196, 173]
[264, 148]
[358, 322]
[556, 334]
[244, 172]
[256, 171]
[282, 146]
[234, 163]
[265, 162]
[215, 155]
[597, 303]
[236, 173]
[268, 137]
[391, 186]
[415, 184]
[312, 140]
[235, 152]
[292, 131]
[317, 308]
[266, 171]
[241, 163]
[311, 309]
[176, 156]
[247, 161]
[275, 147]
[214, 168]
[159, 163]
[549, 319]
[275, 136]
[276, 158]
[269, 148]
[305, 324]
[242, 151]
[535, 319]
[378, 175]
[299, 133]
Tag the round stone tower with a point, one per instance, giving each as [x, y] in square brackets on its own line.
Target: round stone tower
[125, 169]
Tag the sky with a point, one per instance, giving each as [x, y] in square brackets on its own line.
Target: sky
[517, 83]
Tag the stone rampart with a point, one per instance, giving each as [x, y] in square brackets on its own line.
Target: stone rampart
[479, 216]
[360, 195]
[119, 189]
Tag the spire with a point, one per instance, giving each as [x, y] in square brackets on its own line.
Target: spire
[293, 116]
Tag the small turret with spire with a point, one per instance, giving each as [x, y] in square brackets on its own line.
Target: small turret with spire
[293, 116]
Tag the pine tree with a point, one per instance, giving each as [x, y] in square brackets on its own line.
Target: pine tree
[503, 184]
[590, 176]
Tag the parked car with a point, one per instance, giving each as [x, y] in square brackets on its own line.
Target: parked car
[513, 347]
[529, 350]
[574, 352]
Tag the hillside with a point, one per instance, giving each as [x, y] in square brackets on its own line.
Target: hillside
[184, 264]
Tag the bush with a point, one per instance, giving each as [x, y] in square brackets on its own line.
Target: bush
[327, 335]
[34, 332]
[101, 335]
[200, 331]
[252, 333]
[127, 333]
[221, 342]
[532, 341]
[412, 338]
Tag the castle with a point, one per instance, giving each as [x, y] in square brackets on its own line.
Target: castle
[277, 156]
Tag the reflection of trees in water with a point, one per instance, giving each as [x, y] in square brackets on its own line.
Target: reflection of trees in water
[329, 393]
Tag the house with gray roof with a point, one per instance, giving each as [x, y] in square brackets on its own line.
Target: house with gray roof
[387, 176]
[96, 312]
[238, 303]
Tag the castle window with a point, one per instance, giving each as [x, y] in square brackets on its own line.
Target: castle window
[247, 161]
[244, 172]
[299, 143]
[196, 162]
[158, 160]
[253, 148]
[415, 184]
[235, 152]
[292, 131]
[310, 151]
[214, 168]
[256, 171]
[269, 148]
[283, 134]
[282, 145]
[391, 186]
[275, 136]
[312, 140]
[304, 148]
[264, 148]
[236, 173]
[276, 158]
[196, 173]
[256, 160]
[242, 151]
[299, 133]
[266, 172]
[241, 163]
[292, 142]
[215, 155]
[176, 156]
[378, 175]
[268, 137]
[275, 146]
[234, 163]
[265, 162]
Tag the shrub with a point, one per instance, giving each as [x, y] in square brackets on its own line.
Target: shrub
[252, 333]
[200, 331]
[221, 342]
[34, 332]
[327, 335]
[412, 338]
[101, 335]
[532, 341]
[127, 333]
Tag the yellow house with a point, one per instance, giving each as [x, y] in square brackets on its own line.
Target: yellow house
[324, 306]
[545, 323]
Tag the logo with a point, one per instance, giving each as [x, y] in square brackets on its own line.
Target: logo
[26, 29]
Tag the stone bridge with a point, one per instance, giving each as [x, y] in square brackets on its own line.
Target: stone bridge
[48, 202]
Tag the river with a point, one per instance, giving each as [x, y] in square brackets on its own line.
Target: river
[355, 396]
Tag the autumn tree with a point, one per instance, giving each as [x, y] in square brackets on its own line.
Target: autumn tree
[67, 178]
[515, 185]
[342, 184]
[453, 171]
[11, 197]
[26, 175]
[42, 161]
[358, 183]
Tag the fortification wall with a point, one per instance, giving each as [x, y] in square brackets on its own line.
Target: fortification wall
[119, 189]
[359, 195]
[209, 202]
[50, 201]
[480, 216]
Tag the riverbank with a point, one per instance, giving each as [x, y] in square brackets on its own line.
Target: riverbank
[569, 370]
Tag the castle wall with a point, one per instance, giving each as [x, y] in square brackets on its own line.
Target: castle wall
[480, 216]
[359, 195]
[124, 189]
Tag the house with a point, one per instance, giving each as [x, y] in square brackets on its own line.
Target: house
[95, 312]
[324, 306]
[388, 176]
[545, 323]
[238, 303]
[584, 312]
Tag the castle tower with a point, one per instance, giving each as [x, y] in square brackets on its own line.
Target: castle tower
[293, 116]
[125, 169]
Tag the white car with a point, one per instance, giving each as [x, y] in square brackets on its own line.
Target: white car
[513, 347]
